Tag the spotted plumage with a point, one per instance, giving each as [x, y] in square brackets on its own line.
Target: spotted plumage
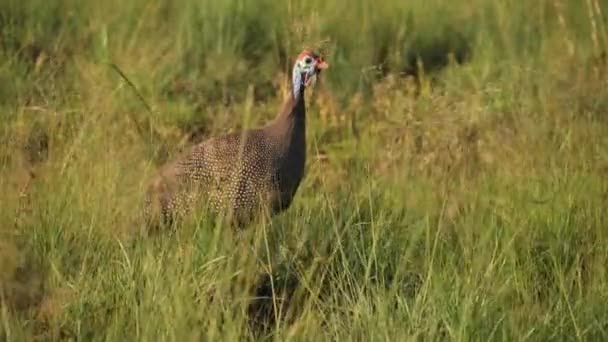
[243, 172]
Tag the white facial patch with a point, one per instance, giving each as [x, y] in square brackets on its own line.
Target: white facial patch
[307, 64]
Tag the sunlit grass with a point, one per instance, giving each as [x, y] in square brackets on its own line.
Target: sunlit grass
[461, 200]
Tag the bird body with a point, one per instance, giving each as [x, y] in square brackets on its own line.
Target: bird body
[241, 172]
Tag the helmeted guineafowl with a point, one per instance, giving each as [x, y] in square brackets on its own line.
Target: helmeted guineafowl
[241, 172]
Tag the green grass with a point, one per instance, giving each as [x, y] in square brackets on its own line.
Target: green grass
[465, 200]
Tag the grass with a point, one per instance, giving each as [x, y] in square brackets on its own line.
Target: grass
[456, 181]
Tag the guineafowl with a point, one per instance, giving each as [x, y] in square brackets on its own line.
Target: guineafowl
[242, 172]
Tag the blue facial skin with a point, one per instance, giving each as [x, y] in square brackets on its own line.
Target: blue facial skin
[303, 71]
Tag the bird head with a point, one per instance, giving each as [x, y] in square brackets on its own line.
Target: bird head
[308, 65]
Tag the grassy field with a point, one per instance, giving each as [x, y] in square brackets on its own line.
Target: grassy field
[456, 186]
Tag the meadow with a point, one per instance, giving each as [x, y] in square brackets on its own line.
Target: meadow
[456, 184]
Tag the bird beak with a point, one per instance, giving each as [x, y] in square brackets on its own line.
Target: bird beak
[322, 64]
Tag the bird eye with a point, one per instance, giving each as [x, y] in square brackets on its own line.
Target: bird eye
[308, 60]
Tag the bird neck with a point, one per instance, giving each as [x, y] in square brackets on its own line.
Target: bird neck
[297, 84]
[295, 108]
[290, 123]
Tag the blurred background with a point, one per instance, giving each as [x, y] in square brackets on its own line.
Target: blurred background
[456, 180]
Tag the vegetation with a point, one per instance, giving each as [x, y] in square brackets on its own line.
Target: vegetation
[456, 184]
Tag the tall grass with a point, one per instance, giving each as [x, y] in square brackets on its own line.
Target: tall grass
[456, 185]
